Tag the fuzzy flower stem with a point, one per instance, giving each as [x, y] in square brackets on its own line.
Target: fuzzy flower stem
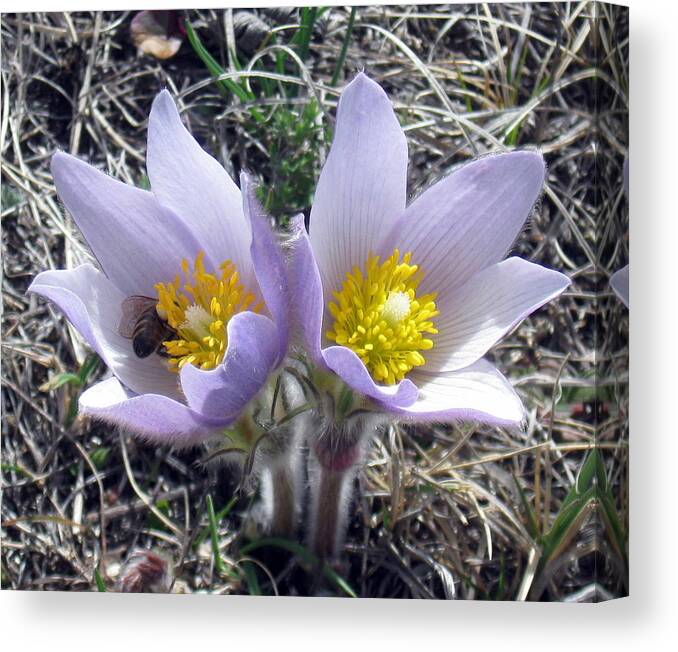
[334, 460]
[330, 509]
[280, 462]
[284, 502]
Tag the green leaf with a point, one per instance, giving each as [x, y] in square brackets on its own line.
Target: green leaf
[567, 524]
[345, 401]
[251, 578]
[156, 523]
[101, 587]
[59, 380]
[578, 502]
[225, 85]
[89, 366]
[220, 515]
[615, 530]
[99, 456]
[6, 468]
[303, 36]
[214, 535]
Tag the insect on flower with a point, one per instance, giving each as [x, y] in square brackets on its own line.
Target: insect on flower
[142, 323]
[188, 309]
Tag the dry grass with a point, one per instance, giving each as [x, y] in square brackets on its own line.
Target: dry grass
[445, 511]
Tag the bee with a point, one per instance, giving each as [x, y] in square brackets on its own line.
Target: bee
[141, 323]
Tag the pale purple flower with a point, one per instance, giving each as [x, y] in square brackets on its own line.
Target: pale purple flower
[194, 212]
[457, 233]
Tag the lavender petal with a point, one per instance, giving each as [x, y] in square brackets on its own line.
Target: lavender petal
[350, 368]
[477, 393]
[158, 419]
[186, 179]
[252, 353]
[478, 314]
[137, 241]
[306, 293]
[269, 265]
[469, 220]
[362, 186]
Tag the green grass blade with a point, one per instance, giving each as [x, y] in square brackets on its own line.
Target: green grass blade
[579, 501]
[251, 578]
[214, 535]
[615, 530]
[344, 48]
[89, 366]
[302, 38]
[567, 523]
[101, 587]
[214, 68]
[220, 515]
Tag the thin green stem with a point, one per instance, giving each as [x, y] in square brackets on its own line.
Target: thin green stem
[214, 535]
[344, 48]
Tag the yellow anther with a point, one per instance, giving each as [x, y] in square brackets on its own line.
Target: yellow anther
[199, 310]
[378, 315]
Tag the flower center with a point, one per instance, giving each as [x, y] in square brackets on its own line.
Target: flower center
[378, 315]
[198, 311]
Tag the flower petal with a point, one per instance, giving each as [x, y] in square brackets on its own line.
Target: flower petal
[469, 220]
[158, 419]
[269, 265]
[619, 282]
[350, 368]
[478, 314]
[306, 292]
[186, 179]
[252, 353]
[362, 186]
[137, 242]
[93, 305]
[477, 393]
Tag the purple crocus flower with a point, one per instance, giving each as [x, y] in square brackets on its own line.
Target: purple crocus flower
[402, 302]
[202, 250]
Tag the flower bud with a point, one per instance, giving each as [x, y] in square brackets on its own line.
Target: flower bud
[145, 571]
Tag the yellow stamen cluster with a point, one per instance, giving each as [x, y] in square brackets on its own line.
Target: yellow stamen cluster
[378, 315]
[199, 310]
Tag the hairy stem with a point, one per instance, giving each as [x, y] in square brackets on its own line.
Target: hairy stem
[331, 487]
[327, 513]
[335, 456]
[284, 504]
